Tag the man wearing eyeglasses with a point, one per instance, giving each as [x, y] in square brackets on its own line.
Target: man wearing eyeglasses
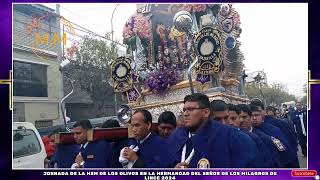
[206, 143]
[94, 154]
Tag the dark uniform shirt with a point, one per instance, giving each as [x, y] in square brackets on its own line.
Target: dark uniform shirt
[221, 145]
[96, 154]
[288, 154]
[263, 157]
[151, 153]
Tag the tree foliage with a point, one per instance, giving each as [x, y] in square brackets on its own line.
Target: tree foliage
[273, 94]
[92, 70]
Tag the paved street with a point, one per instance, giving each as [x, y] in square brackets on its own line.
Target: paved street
[302, 160]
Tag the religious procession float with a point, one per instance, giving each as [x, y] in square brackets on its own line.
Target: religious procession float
[174, 50]
[179, 49]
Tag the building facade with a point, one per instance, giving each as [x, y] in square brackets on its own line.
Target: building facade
[37, 83]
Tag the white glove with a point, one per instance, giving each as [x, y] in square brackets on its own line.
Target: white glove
[124, 161]
[135, 149]
[74, 166]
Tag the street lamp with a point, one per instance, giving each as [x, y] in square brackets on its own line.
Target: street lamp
[112, 20]
[115, 95]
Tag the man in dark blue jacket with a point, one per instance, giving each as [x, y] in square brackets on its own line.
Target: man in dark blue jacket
[64, 155]
[288, 155]
[283, 125]
[148, 149]
[204, 142]
[95, 154]
[117, 145]
[299, 119]
[266, 156]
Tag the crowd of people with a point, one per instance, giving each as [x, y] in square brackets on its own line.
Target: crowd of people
[208, 135]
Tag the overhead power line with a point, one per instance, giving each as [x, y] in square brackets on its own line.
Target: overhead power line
[91, 32]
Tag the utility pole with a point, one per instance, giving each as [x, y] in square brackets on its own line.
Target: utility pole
[59, 58]
[112, 20]
[115, 95]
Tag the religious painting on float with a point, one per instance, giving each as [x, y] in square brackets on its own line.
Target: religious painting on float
[165, 39]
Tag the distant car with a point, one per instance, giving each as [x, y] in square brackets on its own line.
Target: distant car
[28, 148]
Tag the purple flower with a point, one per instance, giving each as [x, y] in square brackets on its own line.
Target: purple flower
[161, 81]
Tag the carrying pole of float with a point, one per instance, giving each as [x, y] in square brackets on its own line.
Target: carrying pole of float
[190, 74]
[193, 46]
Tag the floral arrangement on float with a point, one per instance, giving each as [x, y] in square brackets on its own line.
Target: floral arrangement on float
[137, 25]
[160, 54]
[194, 7]
[160, 81]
